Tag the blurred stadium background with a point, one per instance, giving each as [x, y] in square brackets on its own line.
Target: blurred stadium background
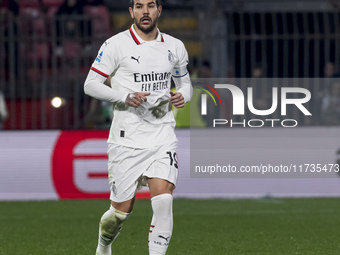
[55, 149]
[44, 55]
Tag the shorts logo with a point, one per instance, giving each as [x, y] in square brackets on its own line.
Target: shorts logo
[114, 188]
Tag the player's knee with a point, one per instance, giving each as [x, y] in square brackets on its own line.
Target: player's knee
[111, 222]
[159, 186]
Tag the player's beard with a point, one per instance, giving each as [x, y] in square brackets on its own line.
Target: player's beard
[147, 29]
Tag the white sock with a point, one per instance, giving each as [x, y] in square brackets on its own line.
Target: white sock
[153, 222]
[109, 228]
[161, 224]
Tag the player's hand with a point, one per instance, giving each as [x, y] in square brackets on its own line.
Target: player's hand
[177, 99]
[136, 99]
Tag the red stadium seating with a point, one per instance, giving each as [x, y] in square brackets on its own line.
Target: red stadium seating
[28, 4]
[39, 52]
[101, 19]
[72, 49]
[52, 10]
[53, 3]
[32, 7]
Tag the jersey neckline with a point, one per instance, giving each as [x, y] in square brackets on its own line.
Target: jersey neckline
[138, 40]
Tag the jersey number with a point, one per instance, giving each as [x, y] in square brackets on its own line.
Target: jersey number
[173, 158]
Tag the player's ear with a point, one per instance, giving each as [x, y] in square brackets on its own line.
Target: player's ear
[159, 10]
[131, 12]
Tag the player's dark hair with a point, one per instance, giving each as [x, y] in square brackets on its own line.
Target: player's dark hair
[158, 3]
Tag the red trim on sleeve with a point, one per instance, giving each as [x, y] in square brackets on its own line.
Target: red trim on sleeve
[134, 37]
[101, 73]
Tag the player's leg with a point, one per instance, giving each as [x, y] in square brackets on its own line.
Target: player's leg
[162, 220]
[111, 224]
[123, 179]
[162, 177]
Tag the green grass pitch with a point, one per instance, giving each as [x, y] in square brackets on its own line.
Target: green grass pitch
[217, 227]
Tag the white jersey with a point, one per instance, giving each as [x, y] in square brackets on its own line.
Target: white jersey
[142, 66]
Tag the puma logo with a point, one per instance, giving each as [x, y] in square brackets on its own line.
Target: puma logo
[137, 59]
[165, 238]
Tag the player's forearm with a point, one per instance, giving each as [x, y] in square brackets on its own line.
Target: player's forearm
[183, 86]
[94, 86]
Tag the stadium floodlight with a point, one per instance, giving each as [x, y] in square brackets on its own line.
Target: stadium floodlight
[57, 102]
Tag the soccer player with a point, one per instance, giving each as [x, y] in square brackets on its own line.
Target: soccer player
[142, 142]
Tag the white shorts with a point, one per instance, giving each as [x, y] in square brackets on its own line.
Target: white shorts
[129, 168]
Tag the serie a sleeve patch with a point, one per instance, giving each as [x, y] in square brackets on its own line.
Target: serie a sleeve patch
[179, 72]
